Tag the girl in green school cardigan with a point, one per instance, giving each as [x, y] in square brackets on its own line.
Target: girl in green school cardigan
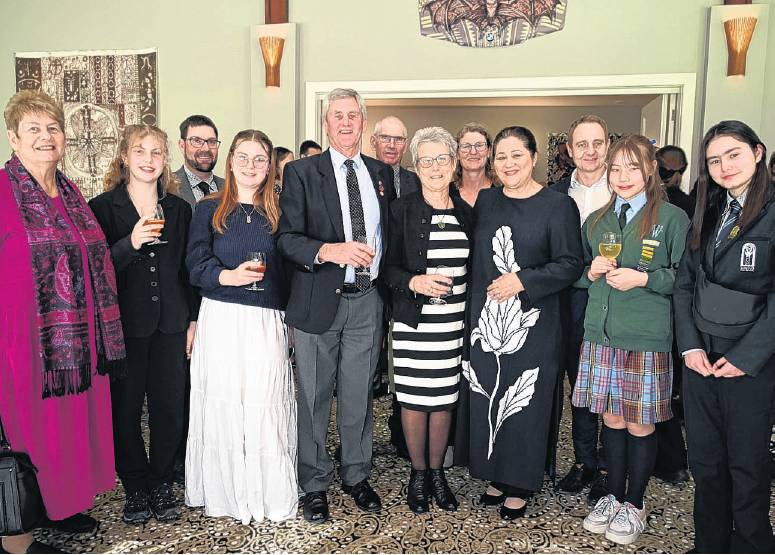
[626, 370]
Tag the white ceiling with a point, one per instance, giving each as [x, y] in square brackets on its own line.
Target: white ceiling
[639, 100]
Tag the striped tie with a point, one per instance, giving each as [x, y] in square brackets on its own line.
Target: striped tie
[733, 214]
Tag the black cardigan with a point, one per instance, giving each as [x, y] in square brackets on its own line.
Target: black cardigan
[407, 253]
[752, 351]
[154, 292]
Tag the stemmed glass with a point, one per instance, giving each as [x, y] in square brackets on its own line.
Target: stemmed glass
[446, 271]
[610, 245]
[156, 218]
[259, 258]
[371, 242]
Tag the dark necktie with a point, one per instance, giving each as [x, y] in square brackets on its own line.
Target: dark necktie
[362, 282]
[732, 216]
[204, 187]
[623, 215]
[397, 180]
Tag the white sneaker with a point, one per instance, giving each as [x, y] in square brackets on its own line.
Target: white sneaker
[598, 518]
[627, 524]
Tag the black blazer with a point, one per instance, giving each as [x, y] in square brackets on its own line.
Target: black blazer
[409, 182]
[153, 288]
[752, 351]
[311, 216]
[407, 254]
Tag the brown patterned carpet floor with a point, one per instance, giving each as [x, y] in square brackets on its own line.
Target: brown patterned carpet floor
[552, 525]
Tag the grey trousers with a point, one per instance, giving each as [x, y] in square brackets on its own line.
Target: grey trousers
[347, 355]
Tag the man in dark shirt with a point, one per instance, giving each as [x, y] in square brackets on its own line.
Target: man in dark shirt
[672, 165]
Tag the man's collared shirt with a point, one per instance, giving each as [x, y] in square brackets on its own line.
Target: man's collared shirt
[194, 180]
[589, 199]
[370, 203]
[636, 203]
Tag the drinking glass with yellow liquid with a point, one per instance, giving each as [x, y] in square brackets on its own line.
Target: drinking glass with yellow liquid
[610, 245]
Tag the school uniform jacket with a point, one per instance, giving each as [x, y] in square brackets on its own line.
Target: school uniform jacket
[725, 267]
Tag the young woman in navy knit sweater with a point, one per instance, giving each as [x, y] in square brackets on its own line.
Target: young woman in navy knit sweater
[241, 454]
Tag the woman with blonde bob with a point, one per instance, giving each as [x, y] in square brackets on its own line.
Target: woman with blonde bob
[158, 314]
[626, 367]
[241, 454]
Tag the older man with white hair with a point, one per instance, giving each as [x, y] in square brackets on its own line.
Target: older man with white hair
[333, 229]
[389, 144]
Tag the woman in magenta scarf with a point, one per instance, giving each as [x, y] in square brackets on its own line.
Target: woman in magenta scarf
[60, 329]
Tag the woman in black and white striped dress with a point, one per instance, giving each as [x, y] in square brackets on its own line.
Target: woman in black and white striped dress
[427, 265]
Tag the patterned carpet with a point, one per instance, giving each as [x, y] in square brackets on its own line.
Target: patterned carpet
[553, 524]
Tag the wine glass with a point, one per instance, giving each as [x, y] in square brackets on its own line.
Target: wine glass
[371, 242]
[610, 245]
[259, 258]
[156, 218]
[446, 271]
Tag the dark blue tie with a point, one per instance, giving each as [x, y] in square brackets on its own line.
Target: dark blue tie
[623, 215]
[733, 215]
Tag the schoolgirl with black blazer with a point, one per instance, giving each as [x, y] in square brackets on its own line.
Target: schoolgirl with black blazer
[158, 307]
[725, 322]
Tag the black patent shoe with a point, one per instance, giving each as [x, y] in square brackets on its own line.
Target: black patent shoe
[136, 508]
[79, 523]
[493, 500]
[443, 496]
[316, 507]
[163, 503]
[417, 491]
[512, 514]
[576, 479]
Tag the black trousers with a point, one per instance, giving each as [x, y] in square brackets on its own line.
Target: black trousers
[584, 424]
[671, 449]
[157, 369]
[728, 429]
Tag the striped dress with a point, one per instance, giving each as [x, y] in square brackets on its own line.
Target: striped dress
[427, 359]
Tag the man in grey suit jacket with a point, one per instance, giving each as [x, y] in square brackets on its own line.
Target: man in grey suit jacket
[199, 145]
[389, 142]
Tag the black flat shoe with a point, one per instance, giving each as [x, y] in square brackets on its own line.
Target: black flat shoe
[512, 514]
[36, 547]
[316, 507]
[79, 523]
[443, 496]
[364, 496]
[417, 492]
[493, 500]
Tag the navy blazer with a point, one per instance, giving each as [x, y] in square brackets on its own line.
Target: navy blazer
[311, 216]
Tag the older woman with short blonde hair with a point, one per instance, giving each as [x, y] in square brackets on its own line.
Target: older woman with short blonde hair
[427, 264]
[60, 331]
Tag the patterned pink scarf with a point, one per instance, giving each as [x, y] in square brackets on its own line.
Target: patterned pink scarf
[57, 272]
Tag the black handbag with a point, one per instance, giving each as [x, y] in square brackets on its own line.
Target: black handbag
[21, 506]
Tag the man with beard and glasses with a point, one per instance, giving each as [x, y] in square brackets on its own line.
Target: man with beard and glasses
[199, 145]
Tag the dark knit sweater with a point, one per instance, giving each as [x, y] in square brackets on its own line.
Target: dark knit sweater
[210, 252]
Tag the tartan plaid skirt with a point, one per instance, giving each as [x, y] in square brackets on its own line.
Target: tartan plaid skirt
[635, 385]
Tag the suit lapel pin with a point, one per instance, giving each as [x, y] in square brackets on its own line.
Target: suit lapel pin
[381, 188]
[733, 233]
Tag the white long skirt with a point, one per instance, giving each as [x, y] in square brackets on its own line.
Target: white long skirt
[241, 453]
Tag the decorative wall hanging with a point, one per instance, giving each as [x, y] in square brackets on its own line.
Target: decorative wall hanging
[486, 23]
[101, 92]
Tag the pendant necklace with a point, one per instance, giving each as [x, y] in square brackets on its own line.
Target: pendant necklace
[247, 216]
[441, 224]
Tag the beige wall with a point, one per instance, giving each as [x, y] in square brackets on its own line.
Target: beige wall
[346, 40]
[540, 120]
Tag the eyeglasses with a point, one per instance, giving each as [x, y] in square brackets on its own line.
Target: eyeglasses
[666, 173]
[240, 160]
[387, 139]
[198, 142]
[467, 147]
[441, 160]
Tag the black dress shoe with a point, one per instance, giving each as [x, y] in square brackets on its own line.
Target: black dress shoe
[512, 514]
[79, 523]
[576, 479]
[443, 496]
[417, 491]
[675, 478]
[316, 507]
[36, 547]
[599, 487]
[365, 498]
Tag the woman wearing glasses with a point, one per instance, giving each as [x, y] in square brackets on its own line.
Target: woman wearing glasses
[241, 454]
[473, 173]
[527, 249]
[427, 264]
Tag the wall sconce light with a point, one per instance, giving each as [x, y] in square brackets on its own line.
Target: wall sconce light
[272, 51]
[739, 32]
